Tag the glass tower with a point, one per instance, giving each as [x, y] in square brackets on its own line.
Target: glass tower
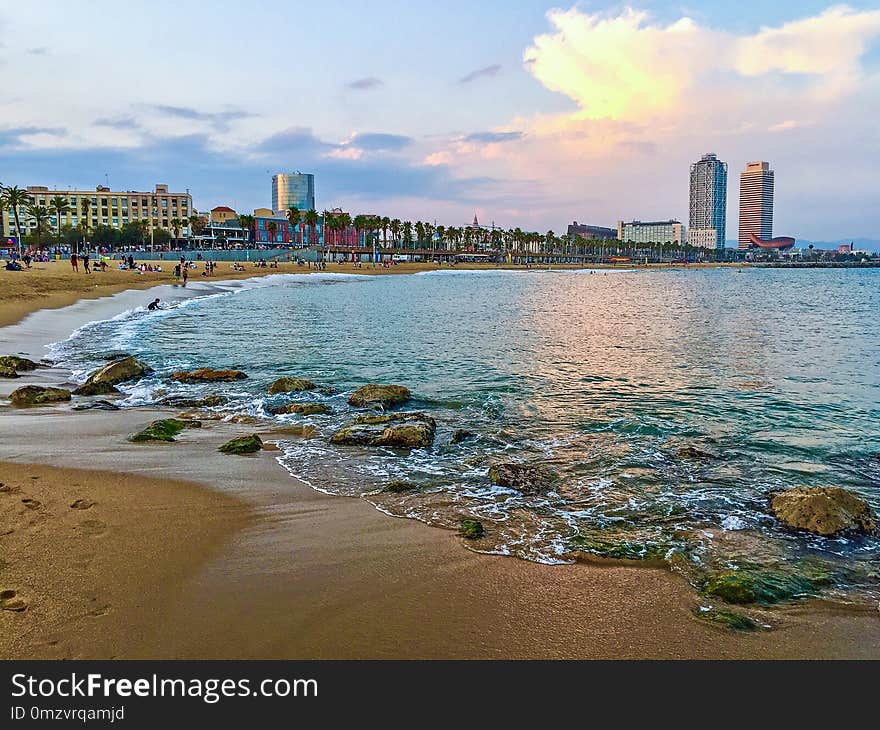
[756, 184]
[293, 189]
[707, 225]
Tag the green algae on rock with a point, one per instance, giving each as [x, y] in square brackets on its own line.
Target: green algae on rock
[471, 529]
[242, 445]
[36, 395]
[164, 430]
[291, 385]
[376, 395]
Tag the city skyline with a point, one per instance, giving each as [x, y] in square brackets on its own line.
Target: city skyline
[542, 122]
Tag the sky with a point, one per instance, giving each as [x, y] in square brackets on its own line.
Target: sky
[526, 113]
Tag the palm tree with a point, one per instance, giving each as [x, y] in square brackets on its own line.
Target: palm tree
[176, 224]
[407, 232]
[311, 221]
[13, 198]
[247, 223]
[272, 227]
[40, 214]
[293, 217]
[60, 205]
[395, 230]
[386, 221]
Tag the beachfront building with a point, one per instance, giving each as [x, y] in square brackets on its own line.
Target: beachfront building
[671, 231]
[105, 207]
[756, 188]
[223, 214]
[293, 189]
[272, 227]
[592, 233]
[707, 223]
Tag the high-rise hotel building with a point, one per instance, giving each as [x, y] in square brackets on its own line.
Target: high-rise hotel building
[293, 189]
[107, 208]
[707, 224]
[755, 202]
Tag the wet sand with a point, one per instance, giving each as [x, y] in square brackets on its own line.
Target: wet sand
[301, 574]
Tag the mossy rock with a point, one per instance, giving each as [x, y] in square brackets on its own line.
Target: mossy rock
[462, 434]
[471, 529]
[376, 395]
[7, 372]
[761, 586]
[291, 385]
[14, 362]
[35, 395]
[164, 430]
[692, 452]
[303, 409]
[207, 375]
[408, 430]
[242, 445]
[529, 479]
[619, 549]
[118, 371]
[400, 486]
[823, 510]
[100, 388]
[727, 619]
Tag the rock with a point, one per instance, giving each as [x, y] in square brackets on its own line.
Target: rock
[114, 373]
[823, 510]
[115, 356]
[409, 430]
[88, 388]
[242, 418]
[11, 601]
[8, 372]
[97, 405]
[728, 619]
[208, 401]
[15, 362]
[304, 409]
[399, 486]
[384, 396]
[525, 478]
[82, 504]
[461, 434]
[164, 430]
[207, 375]
[758, 586]
[471, 529]
[242, 445]
[291, 385]
[692, 452]
[34, 395]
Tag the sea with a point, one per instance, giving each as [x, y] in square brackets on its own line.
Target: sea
[601, 377]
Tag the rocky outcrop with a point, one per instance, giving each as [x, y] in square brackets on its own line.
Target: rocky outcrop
[410, 430]
[692, 452]
[379, 396]
[96, 389]
[291, 385]
[97, 405]
[101, 381]
[208, 401]
[525, 478]
[461, 434]
[35, 395]
[207, 375]
[823, 510]
[164, 430]
[8, 372]
[400, 486]
[242, 445]
[304, 409]
[16, 363]
[759, 586]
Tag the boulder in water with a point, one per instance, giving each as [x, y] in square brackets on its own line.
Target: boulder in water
[471, 529]
[759, 586]
[97, 405]
[8, 372]
[409, 430]
[88, 388]
[114, 373]
[14, 362]
[311, 408]
[462, 434]
[291, 385]
[208, 401]
[692, 452]
[242, 445]
[823, 510]
[525, 478]
[35, 395]
[207, 375]
[164, 430]
[382, 396]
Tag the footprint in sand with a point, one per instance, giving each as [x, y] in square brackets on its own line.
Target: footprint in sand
[99, 611]
[82, 504]
[8, 489]
[11, 601]
[31, 503]
[93, 528]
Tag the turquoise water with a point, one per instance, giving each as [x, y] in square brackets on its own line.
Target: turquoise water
[602, 377]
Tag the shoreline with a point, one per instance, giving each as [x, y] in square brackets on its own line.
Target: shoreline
[308, 575]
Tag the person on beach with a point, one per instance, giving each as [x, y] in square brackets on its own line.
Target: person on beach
[154, 305]
[85, 260]
[185, 275]
[74, 262]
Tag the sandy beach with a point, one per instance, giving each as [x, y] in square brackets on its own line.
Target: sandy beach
[186, 553]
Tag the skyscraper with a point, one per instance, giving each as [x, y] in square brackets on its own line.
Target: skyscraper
[293, 188]
[755, 202]
[707, 225]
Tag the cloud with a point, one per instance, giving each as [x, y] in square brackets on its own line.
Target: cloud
[493, 137]
[369, 82]
[486, 72]
[220, 120]
[22, 136]
[124, 122]
[373, 142]
[41, 51]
